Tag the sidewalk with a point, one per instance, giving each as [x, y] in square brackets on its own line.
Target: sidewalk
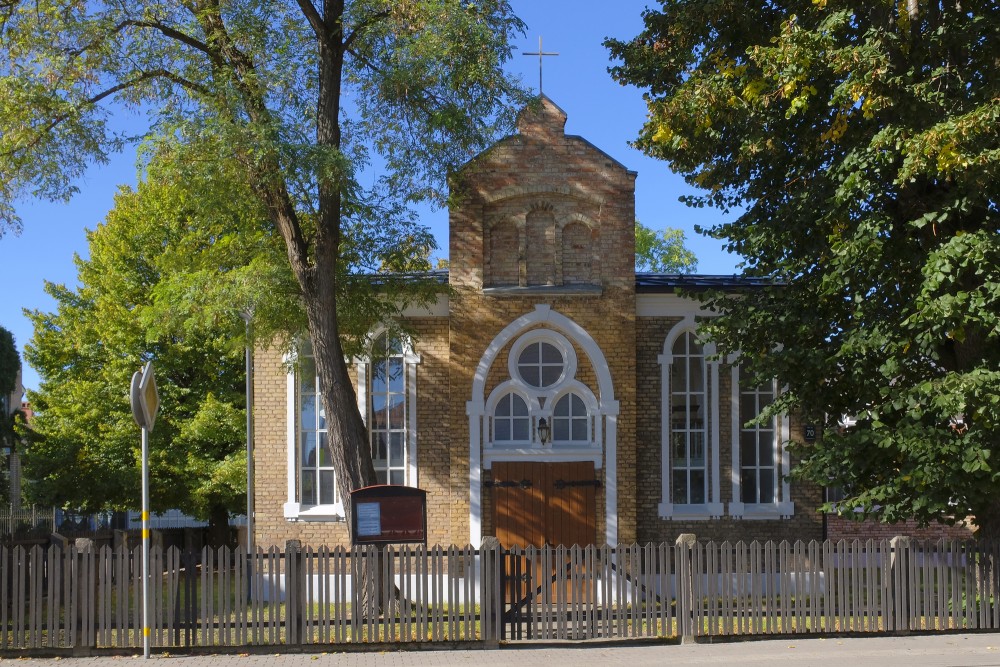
[919, 651]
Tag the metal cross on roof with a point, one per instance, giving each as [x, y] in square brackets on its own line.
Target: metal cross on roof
[540, 53]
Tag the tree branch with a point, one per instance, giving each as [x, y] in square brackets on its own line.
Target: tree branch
[362, 26]
[95, 99]
[315, 20]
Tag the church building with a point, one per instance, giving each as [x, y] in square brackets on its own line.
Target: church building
[555, 396]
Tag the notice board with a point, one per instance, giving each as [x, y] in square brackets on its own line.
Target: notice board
[389, 514]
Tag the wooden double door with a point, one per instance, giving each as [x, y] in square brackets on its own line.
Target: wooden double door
[545, 504]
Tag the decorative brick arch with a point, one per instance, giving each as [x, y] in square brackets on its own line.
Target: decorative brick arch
[606, 410]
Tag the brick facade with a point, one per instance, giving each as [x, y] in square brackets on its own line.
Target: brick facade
[542, 239]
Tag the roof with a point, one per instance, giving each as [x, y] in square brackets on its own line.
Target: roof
[647, 283]
[694, 282]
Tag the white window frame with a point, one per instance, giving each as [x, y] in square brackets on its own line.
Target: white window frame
[294, 509]
[782, 507]
[713, 507]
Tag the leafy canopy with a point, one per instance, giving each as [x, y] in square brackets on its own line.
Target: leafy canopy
[84, 448]
[10, 363]
[662, 251]
[338, 115]
[861, 141]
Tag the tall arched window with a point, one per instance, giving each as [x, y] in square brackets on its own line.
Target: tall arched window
[761, 489]
[316, 479]
[758, 445]
[688, 425]
[387, 406]
[386, 397]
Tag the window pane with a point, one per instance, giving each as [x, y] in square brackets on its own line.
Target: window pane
[379, 448]
[326, 487]
[695, 378]
[551, 354]
[520, 407]
[308, 487]
[396, 375]
[578, 406]
[767, 486]
[697, 486]
[521, 429]
[560, 429]
[396, 477]
[529, 355]
[382, 476]
[396, 412]
[307, 376]
[503, 407]
[378, 379]
[748, 487]
[501, 429]
[396, 450]
[532, 375]
[748, 408]
[562, 407]
[550, 375]
[679, 449]
[766, 453]
[307, 414]
[324, 450]
[580, 430]
[697, 449]
[678, 378]
[679, 490]
[748, 448]
[309, 449]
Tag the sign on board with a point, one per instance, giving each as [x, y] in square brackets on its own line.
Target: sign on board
[389, 514]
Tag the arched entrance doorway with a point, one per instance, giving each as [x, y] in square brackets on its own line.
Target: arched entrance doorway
[544, 490]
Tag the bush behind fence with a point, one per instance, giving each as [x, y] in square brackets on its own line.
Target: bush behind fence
[60, 598]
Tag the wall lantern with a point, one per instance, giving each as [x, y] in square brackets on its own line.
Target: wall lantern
[544, 430]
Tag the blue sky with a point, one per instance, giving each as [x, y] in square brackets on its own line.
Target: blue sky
[605, 113]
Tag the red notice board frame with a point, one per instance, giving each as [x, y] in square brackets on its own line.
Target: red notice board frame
[389, 514]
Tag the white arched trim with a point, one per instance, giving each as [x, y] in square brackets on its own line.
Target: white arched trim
[607, 409]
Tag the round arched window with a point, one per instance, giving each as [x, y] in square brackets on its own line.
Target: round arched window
[540, 364]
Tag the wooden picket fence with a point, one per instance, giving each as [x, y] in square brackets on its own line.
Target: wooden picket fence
[65, 598]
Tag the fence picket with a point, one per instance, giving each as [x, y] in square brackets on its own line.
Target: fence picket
[61, 598]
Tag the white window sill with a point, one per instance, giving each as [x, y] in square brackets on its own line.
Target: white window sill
[702, 512]
[299, 512]
[767, 512]
[547, 454]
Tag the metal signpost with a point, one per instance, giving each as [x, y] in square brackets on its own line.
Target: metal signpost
[145, 401]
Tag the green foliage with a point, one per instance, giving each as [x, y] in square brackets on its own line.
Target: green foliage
[83, 449]
[663, 251]
[299, 100]
[10, 363]
[861, 142]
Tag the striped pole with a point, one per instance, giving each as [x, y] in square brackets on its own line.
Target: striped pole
[145, 542]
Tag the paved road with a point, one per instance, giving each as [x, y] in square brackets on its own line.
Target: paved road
[937, 650]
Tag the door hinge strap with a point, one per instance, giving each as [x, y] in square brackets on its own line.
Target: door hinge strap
[562, 484]
[524, 484]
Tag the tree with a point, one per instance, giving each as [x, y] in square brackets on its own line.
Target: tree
[10, 366]
[663, 251]
[10, 363]
[861, 141]
[83, 447]
[298, 95]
